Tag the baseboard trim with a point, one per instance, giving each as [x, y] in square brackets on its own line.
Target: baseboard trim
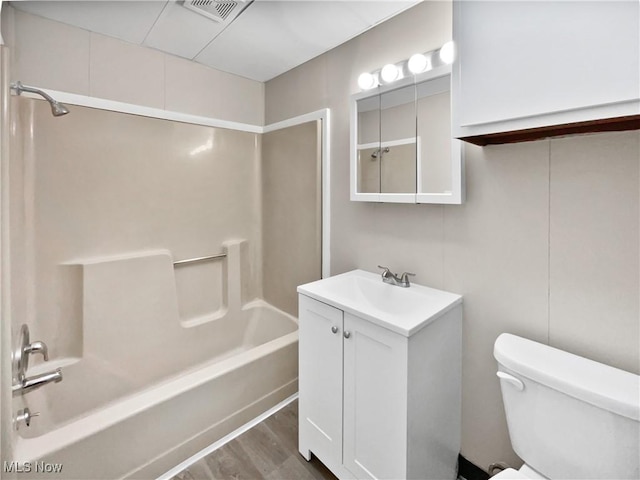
[469, 471]
[226, 439]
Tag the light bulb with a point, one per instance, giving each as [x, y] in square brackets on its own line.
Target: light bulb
[448, 53]
[419, 63]
[366, 81]
[389, 73]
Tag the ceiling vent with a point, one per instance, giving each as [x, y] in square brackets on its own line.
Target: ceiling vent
[221, 11]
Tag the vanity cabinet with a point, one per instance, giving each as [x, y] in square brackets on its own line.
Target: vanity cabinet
[527, 70]
[375, 403]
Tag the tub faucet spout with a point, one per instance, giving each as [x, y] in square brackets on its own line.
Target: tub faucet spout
[27, 384]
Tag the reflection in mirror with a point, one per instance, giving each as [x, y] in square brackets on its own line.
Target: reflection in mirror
[398, 141]
[434, 130]
[369, 144]
[402, 150]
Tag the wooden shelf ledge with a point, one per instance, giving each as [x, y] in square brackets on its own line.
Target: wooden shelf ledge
[617, 124]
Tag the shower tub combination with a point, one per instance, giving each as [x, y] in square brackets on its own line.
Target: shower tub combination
[160, 358]
[101, 422]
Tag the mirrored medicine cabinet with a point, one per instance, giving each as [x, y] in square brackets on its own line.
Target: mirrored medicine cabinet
[402, 150]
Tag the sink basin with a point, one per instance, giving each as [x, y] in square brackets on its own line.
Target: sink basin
[361, 293]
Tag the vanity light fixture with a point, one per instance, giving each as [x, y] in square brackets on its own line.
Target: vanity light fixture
[367, 81]
[418, 63]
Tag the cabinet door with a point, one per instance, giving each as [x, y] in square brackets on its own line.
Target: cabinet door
[534, 64]
[383, 146]
[375, 400]
[320, 381]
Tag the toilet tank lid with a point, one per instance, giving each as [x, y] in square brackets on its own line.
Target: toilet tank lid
[601, 385]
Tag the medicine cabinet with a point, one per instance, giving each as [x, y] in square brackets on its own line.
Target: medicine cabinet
[402, 150]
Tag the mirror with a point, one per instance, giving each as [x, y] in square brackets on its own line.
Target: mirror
[385, 146]
[401, 145]
[368, 145]
[398, 141]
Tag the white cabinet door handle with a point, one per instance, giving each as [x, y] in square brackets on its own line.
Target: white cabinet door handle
[347, 334]
[334, 329]
[516, 382]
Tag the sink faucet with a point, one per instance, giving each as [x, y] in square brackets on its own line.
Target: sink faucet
[392, 279]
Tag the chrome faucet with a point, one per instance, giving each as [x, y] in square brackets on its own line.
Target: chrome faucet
[23, 349]
[21, 383]
[392, 279]
[27, 384]
[37, 347]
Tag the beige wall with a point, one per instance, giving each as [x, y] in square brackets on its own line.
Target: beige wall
[546, 245]
[291, 214]
[56, 56]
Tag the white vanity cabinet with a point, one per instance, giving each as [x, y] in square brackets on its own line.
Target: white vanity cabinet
[545, 68]
[376, 402]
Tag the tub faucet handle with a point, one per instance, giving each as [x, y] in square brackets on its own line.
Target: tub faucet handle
[38, 347]
[23, 349]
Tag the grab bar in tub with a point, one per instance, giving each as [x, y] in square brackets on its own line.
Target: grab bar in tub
[198, 259]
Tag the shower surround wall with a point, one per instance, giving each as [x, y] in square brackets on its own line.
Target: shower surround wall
[102, 184]
[546, 245]
[102, 204]
[291, 212]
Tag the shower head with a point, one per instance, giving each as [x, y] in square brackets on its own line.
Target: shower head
[57, 108]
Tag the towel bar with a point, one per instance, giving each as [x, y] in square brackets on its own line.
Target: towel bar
[198, 259]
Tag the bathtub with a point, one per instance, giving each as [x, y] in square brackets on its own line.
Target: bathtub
[145, 433]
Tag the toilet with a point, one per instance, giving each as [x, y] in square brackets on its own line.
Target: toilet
[568, 417]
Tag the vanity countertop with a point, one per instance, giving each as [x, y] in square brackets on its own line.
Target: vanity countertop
[363, 294]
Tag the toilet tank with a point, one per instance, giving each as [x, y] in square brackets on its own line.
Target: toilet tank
[569, 417]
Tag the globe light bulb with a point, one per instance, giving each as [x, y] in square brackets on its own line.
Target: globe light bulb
[366, 81]
[389, 73]
[419, 63]
[448, 53]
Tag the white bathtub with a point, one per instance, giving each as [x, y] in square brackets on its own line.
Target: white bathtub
[144, 434]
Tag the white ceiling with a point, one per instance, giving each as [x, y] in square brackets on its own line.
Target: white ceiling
[268, 38]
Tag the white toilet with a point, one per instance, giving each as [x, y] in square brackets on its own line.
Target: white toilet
[568, 417]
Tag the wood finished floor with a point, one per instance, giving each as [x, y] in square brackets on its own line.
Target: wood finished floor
[268, 451]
